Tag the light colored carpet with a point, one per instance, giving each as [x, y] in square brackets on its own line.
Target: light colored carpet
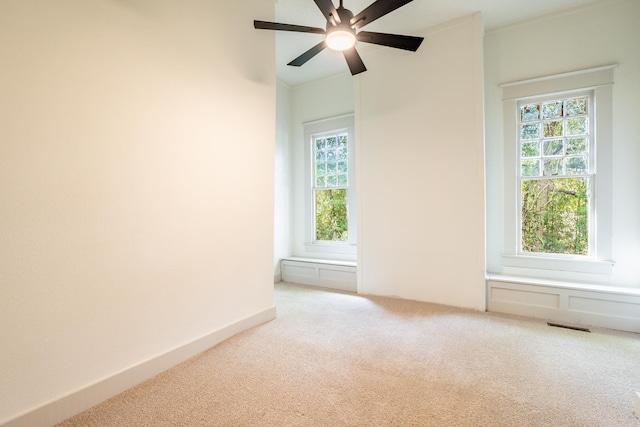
[338, 359]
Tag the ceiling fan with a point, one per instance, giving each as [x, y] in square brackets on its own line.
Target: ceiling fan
[342, 32]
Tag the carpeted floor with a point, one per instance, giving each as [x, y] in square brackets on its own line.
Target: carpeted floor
[338, 359]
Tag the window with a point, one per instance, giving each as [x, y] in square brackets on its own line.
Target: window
[331, 182]
[330, 195]
[558, 173]
[555, 146]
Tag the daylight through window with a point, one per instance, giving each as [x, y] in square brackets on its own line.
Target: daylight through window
[331, 181]
[555, 173]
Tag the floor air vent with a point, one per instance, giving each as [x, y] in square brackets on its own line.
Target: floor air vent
[575, 328]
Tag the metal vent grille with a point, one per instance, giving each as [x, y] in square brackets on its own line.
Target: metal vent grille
[575, 328]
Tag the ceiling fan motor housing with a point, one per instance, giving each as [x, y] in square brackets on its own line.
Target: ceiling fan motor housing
[345, 16]
[339, 34]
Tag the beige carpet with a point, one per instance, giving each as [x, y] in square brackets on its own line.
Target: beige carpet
[337, 359]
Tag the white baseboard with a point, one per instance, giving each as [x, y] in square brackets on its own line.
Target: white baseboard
[319, 272]
[58, 410]
[574, 304]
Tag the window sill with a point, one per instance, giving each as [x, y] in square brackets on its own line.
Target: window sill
[336, 248]
[559, 264]
[321, 261]
[578, 286]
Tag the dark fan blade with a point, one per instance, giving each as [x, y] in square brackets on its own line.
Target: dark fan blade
[376, 10]
[328, 10]
[392, 40]
[264, 25]
[354, 61]
[300, 60]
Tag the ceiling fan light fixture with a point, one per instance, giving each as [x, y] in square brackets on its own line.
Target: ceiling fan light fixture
[343, 29]
[340, 39]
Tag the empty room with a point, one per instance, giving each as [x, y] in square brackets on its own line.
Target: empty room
[309, 213]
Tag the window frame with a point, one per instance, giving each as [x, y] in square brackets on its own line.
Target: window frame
[599, 82]
[590, 175]
[314, 177]
[319, 128]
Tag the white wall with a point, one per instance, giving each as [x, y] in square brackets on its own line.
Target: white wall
[136, 184]
[419, 128]
[321, 99]
[283, 179]
[602, 34]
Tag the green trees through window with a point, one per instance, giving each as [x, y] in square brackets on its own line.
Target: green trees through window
[555, 216]
[555, 175]
[331, 186]
[331, 215]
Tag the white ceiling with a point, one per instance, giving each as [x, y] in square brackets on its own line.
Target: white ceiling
[409, 19]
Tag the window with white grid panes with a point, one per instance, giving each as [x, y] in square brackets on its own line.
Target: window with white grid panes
[555, 173]
[330, 186]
